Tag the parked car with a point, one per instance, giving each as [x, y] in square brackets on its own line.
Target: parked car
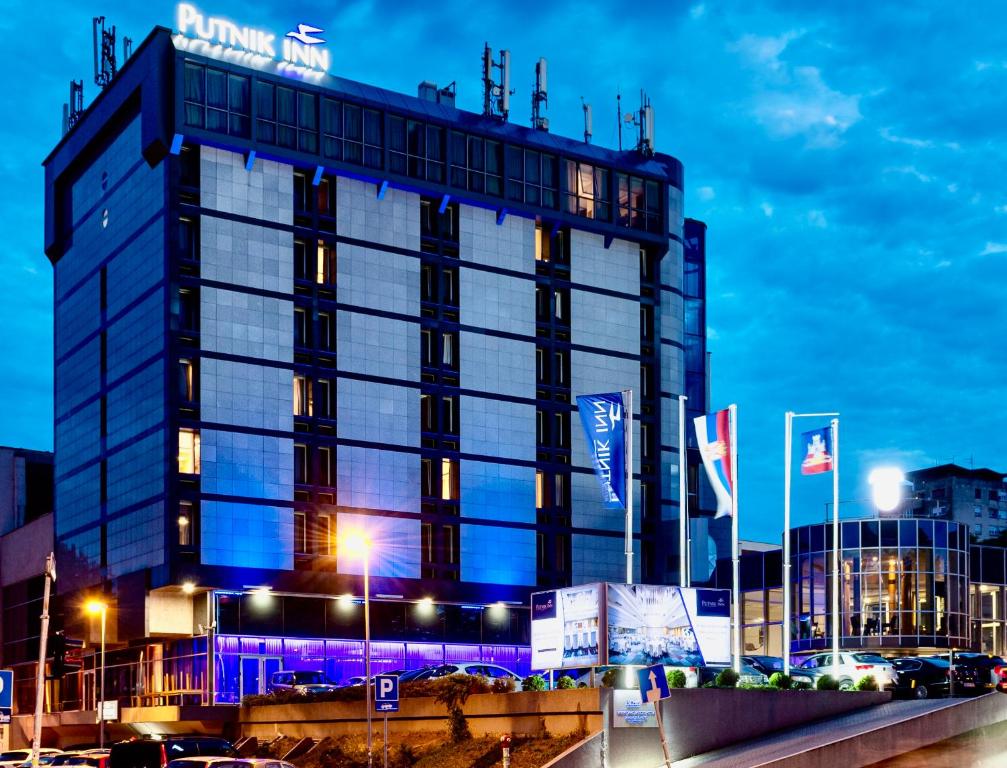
[91, 758]
[922, 678]
[300, 681]
[355, 680]
[489, 671]
[46, 758]
[800, 678]
[975, 672]
[157, 753]
[417, 674]
[767, 665]
[749, 675]
[228, 762]
[851, 668]
[15, 757]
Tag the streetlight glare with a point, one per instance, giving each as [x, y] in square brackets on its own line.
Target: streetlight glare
[188, 587]
[357, 542]
[886, 487]
[94, 607]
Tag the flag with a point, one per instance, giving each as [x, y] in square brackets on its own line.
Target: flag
[818, 447]
[716, 445]
[601, 416]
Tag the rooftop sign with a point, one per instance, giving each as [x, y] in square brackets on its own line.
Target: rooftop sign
[299, 53]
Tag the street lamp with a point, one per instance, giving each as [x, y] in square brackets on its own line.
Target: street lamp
[357, 544]
[96, 608]
[886, 487]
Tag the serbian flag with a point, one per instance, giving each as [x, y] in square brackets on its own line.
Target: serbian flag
[716, 445]
[818, 447]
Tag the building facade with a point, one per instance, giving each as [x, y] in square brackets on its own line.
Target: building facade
[974, 497]
[288, 309]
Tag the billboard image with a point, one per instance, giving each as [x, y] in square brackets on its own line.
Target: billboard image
[650, 624]
[566, 628]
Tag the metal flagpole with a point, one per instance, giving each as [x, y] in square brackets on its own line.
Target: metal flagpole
[50, 577]
[685, 576]
[788, 451]
[836, 629]
[627, 425]
[735, 562]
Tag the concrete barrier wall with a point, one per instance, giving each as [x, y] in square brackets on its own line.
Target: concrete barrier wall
[529, 712]
[589, 753]
[698, 720]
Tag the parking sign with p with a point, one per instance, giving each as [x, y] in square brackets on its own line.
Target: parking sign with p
[6, 694]
[386, 693]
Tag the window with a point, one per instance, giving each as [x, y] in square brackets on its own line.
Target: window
[645, 449]
[186, 381]
[539, 489]
[427, 346]
[979, 494]
[301, 337]
[540, 370]
[185, 523]
[646, 322]
[286, 117]
[426, 477]
[476, 163]
[188, 309]
[449, 415]
[326, 331]
[323, 535]
[542, 303]
[587, 191]
[559, 490]
[300, 533]
[188, 239]
[326, 467]
[560, 433]
[977, 529]
[540, 436]
[302, 396]
[188, 451]
[561, 300]
[323, 399]
[351, 134]
[449, 479]
[450, 280]
[978, 510]
[325, 273]
[416, 149]
[532, 177]
[426, 412]
[300, 463]
[217, 101]
[449, 350]
[428, 283]
[437, 224]
[560, 366]
[301, 269]
[541, 243]
[639, 203]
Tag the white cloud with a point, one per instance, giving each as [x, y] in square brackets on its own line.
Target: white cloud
[942, 264]
[992, 248]
[697, 11]
[767, 209]
[910, 170]
[816, 218]
[952, 187]
[706, 193]
[764, 50]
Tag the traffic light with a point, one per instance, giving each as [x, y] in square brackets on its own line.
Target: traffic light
[57, 645]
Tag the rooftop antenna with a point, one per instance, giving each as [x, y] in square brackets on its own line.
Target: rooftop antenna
[618, 116]
[73, 109]
[539, 97]
[644, 122]
[587, 120]
[496, 96]
[127, 48]
[104, 51]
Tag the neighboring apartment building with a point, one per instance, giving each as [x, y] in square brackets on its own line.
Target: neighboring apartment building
[975, 497]
[287, 309]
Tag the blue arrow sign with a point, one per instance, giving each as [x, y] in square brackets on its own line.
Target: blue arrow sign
[6, 691]
[653, 684]
[386, 693]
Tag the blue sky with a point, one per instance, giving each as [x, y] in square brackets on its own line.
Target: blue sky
[847, 157]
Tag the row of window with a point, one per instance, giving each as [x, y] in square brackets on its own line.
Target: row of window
[303, 121]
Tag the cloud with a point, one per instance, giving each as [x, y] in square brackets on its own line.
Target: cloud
[697, 11]
[767, 209]
[706, 193]
[817, 219]
[993, 248]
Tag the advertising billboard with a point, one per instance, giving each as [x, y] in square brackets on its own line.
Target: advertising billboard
[566, 627]
[650, 624]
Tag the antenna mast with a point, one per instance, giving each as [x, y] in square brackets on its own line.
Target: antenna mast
[104, 51]
[73, 109]
[539, 97]
[618, 116]
[587, 120]
[496, 96]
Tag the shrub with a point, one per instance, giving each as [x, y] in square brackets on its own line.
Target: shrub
[727, 678]
[781, 681]
[533, 683]
[454, 692]
[503, 685]
[827, 683]
[565, 683]
[611, 677]
[676, 679]
[867, 683]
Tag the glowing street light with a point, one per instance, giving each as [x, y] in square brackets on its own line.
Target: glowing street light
[886, 487]
[357, 544]
[99, 608]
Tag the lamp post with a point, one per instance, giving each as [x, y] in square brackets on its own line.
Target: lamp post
[886, 487]
[97, 607]
[358, 543]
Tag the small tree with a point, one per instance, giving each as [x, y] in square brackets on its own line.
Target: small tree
[611, 677]
[533, 683]
[727, 678]
[781, 681]
[867, 683]
[827, 683]
[453, 692]
[676, 679]
[565, 683]
[503, 685]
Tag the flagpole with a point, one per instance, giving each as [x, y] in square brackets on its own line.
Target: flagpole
[685, 575]
[735, 563]
[836, 629]
[788, 419]
[628, 426]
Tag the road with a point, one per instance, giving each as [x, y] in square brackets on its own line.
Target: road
[982, 748]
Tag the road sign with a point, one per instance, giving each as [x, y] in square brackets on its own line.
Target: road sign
[386, 693]
[653, 683]
[6, 691]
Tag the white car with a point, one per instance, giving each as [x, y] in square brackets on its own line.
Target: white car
[489, 671]
[851, 668]
[16, 757]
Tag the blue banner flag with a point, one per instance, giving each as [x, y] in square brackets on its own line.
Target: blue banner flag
[601, 416]
[818, 444]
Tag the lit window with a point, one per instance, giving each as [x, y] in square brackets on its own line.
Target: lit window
[188, 451]
[541, 244]
[185, 522]
[326, 266]
[448, 350]
[300, 533]
[539, 489]
[302, 396]
[449, 479]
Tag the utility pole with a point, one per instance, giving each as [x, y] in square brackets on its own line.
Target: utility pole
[50, 577]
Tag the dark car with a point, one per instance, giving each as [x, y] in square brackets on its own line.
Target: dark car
[922, 678]
[157, 753]
[300, 681]
[417, 674]
[767, 665]
[974, 672]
